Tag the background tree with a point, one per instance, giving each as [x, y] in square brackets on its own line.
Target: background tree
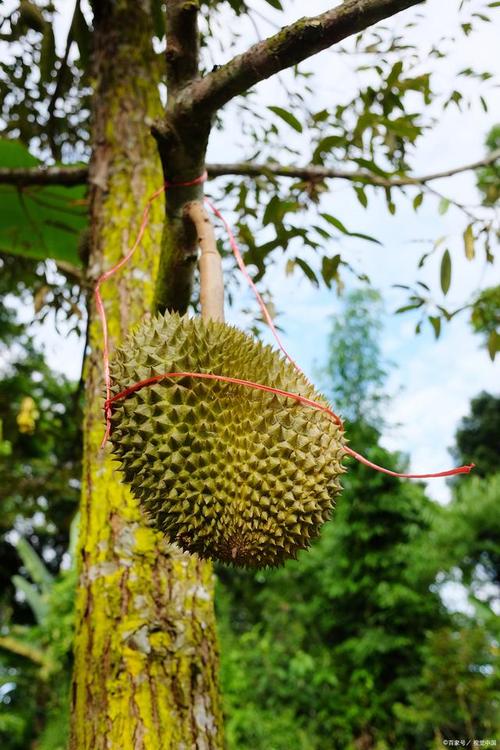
[459, 682]
[467, 532]
[146, 663]
[355, 373]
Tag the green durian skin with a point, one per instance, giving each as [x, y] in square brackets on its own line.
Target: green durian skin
[228, 472]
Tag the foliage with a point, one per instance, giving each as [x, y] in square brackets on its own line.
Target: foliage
[458, 694]
[35, 659]
[40, 443]
[488, 178]
[40, 468]
[477, 437]
[485, 318]
[465, 544]
[36, 408]
[469, 533]
[45, 96]
[39, 222]
[354, 373]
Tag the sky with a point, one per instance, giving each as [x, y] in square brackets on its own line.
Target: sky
[431, 382]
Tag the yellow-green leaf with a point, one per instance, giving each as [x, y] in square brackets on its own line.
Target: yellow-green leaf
[469, 243]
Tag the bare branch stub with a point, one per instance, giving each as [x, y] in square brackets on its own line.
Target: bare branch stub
[210, 264]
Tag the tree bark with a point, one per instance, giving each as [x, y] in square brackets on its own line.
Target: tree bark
[145, 675]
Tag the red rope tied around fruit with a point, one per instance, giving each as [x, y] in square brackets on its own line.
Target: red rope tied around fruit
[110, 400]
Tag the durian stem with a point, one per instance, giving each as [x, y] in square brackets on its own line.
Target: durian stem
[211, 277]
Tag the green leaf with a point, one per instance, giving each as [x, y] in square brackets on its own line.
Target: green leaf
[366, 237]
[287, 117]
[275, 3]
[39, 222]
[34, 599]
[393, 76]
[338, 224]
[329, 268]
[493, 344]
[445, 272]
[34, 565]
[469, 243]
[307, 270]
[320, 116]
[371, 167]
[436, 324]
[335, 222]
[326, 145]
[277, 209]
[413, 306]
[444, 205]
[24, 648]
[361, 195]
[418, 200]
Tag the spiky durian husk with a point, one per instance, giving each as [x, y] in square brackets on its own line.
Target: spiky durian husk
[228, 472]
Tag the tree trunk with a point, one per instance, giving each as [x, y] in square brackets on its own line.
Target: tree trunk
[146, 659]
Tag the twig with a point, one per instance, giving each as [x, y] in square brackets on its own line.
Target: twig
[318, 173]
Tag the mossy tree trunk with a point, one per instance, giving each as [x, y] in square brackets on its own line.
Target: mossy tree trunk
[145, 657]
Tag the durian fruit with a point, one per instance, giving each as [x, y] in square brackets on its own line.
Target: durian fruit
[225, 471]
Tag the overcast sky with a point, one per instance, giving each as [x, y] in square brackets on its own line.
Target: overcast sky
[433, 381]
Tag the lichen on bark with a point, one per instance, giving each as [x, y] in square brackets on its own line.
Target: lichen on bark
[145, 675]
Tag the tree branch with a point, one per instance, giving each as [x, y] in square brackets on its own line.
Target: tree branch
[26, 177]
[183, 42]
[70, 176]
[318, 173]
[291, 45]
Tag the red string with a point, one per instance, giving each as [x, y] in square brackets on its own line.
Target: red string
[243, 269]
[107, 274]
[224, 378]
